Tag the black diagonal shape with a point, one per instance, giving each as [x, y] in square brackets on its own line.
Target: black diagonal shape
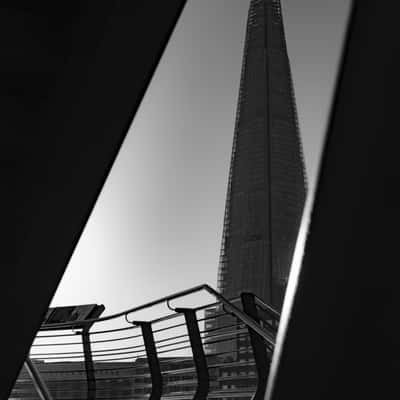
[342, 336]
[73, 75]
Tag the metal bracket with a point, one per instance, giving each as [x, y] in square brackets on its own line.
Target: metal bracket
[89, 367]
[170, 307]
[199, 358]
[258, 346]
[152, 359]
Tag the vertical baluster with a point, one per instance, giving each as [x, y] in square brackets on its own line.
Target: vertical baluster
[89, 367]
[258, 346]
[199, 358]
[152, 359]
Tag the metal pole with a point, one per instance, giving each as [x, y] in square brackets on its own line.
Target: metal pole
[268, 336]
[152, 359]
[199, 358]
[258, 346]
[37, 380]
[90, 375]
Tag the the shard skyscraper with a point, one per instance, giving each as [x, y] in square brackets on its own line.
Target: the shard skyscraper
[267, 186]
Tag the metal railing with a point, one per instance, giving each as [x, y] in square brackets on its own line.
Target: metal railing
[216, 349]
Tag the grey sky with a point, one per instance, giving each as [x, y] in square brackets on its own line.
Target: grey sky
[157, 225]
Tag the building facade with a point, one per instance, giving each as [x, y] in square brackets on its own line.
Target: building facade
[114, 380]
[267, 186]
[266, 189]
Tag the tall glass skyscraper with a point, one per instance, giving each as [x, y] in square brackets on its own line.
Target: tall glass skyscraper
[266, 192]
[267, 185]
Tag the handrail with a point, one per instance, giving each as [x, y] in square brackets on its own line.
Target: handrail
[232, 308]
[74, 324]
[241, 315]
[267, 307]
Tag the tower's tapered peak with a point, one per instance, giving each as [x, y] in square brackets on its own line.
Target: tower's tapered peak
[267, 187]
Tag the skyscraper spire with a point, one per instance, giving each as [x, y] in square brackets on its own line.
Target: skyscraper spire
[267, 186]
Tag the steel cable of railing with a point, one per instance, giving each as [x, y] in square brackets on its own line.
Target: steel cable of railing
[93, 341]
[93, 351]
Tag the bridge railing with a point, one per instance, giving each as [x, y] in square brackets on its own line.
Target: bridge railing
[177, 347]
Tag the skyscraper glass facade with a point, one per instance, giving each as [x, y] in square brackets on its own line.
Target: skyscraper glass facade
[267, 185]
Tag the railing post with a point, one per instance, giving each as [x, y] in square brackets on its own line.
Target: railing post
[152, 359]
[258, 346]
[199, 358]
[89, 367]
[37, 380]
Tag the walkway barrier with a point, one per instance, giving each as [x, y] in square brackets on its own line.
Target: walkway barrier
[182, 346]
